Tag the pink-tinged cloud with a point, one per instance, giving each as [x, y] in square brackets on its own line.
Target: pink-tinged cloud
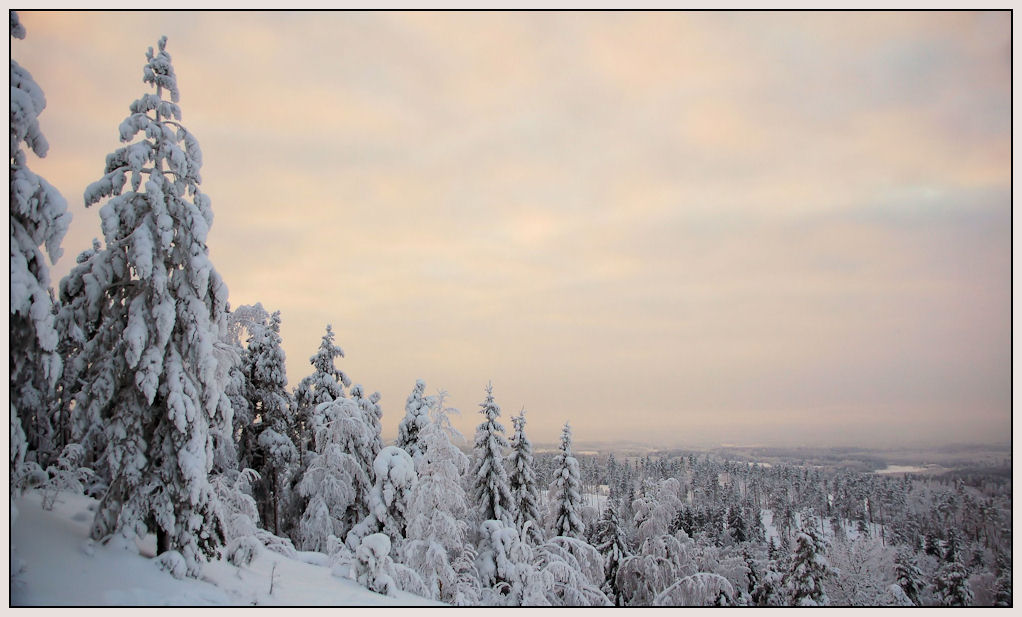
[673, 227]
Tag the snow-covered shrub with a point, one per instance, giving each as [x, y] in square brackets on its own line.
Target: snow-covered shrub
[660, 562]
[467, 582]
[501, 563]
[576, 572]
[388, 499]
[699, 589]
[239, 514]
[373, 566]
[66, 475]
[865, 569]
[282, 546]
[656, 508]
[335, 482]
[408, 580]
[238, 510]
[172, 562]
[241, 551]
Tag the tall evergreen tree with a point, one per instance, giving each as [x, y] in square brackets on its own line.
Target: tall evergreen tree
[909, 576]
[490, 487]
[808, 570]
[242, 323]
[951, 582]
[609, 539]
[372, 415]
[335, 483]
[522, 480]
[325, 384]
[437, 510]
[736, 523]
[416, 419]
[39, 217]
[565, 500]
[1002, 586]
[272, 451]
[152, 379]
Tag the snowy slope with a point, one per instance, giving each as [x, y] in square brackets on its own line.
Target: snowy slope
[62, 567]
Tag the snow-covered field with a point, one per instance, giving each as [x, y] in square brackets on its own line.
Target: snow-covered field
[901, 469]
[63, 567]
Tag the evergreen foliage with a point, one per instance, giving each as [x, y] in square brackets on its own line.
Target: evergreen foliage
[490, 485]
[154, 365]
[522, 481]
[415, 421]
[325, 384]
[564, 492]
[38, 219]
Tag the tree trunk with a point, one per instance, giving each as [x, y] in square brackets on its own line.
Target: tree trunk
[162, 541]
[275, 500]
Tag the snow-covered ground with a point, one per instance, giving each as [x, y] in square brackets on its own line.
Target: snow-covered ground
[63, 567]
[771, 532]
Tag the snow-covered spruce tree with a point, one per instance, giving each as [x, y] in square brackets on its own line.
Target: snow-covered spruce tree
[522, 480]
[242, 324]
[388, 500]
[416, 418]
[808, 570]
[267, 444]
[467, 584]
[609, 539]
[372, 415]
[910, 577]
[78, 321]
[565, 500]
[951, 582]
[239, 514]
[437, 510]
[490, 487]
[1002, 586]
[325, 384]
[152, 378]
[39, 217]
[335, 483]
[504, 565]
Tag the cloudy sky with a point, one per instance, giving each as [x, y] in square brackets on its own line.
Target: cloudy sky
[675, 228]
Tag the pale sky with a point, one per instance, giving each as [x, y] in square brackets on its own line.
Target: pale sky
[671, 228]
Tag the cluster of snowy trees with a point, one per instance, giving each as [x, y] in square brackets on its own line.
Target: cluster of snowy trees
[136, 383]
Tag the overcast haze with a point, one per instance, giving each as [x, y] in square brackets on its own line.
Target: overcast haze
[680, 228]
